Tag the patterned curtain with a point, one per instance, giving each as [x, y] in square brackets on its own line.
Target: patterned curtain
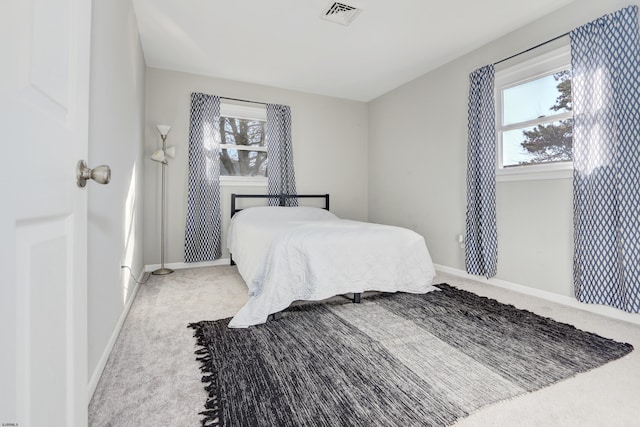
[606, 151]
[280, 154]
[481, 243]
[203, 232]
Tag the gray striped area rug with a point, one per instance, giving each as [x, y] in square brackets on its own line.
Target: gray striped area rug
[393, 360]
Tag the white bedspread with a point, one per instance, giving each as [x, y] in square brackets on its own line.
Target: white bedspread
[289, 254]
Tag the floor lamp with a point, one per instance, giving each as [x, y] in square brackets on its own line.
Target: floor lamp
[161, 157]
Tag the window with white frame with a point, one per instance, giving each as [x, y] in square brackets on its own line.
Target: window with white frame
[534, 118]
[243, 154]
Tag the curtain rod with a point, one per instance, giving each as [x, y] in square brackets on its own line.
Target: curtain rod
[534, 47]
[243, 100]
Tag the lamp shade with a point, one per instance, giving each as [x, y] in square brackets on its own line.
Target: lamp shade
[170, 151]
[158, 156]
[163, 129]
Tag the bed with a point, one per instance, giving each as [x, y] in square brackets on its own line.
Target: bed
[287, 254]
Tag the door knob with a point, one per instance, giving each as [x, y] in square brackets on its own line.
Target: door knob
[100, 174]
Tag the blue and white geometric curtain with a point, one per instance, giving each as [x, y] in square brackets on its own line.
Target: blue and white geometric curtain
[203, 234]
[606, 158]
[481, 243]
[280, 172]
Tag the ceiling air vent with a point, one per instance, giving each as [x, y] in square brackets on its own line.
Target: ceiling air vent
[340, 13]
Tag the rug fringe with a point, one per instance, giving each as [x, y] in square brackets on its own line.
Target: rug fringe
[211, 417]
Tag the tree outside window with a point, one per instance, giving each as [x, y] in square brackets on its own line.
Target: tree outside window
[550, 143]
[243, 151]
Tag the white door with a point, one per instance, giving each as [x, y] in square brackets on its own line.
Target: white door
[44, 87]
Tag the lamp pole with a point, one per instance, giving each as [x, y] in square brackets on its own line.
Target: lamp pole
[162, 270]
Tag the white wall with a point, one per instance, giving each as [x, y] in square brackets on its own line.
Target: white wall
[115, 138]
[417, 165]
[329, 149]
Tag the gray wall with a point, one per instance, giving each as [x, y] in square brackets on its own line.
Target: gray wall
[115, 138]
[417, 165]
[329, 149]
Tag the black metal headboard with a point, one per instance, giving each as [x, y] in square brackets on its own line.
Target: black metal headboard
[280, 197]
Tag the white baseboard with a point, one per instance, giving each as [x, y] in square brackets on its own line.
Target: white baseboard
[611, 312]
[181, 265]
[97, 373]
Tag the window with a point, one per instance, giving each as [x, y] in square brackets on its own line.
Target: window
[243, 154]
[534, 118]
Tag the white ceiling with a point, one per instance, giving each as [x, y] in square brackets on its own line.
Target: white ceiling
[284, 43]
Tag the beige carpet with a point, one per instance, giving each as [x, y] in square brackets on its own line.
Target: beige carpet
[152, 378]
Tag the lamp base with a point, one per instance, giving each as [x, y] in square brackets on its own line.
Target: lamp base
[162, 271]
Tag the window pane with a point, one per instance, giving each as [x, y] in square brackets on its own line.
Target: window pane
[545, 143]
[542, 97]
[242, 131]
[246, 133]
[243, 163]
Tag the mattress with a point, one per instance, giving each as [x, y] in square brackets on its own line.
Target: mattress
[285, 254]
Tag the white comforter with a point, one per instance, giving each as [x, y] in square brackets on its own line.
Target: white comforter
[289, 254]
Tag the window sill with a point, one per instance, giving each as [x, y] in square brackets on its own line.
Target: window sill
[534, 173]
[243, 181]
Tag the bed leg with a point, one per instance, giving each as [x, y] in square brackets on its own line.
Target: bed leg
[356, 298]
[231, 261]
